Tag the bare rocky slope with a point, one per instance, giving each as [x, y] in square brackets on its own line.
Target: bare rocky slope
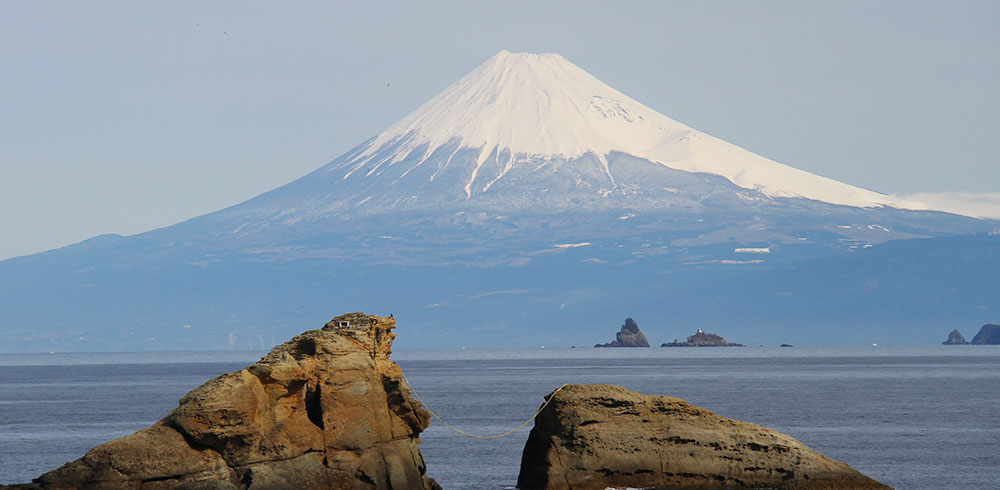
[325, 410]
[602, 436]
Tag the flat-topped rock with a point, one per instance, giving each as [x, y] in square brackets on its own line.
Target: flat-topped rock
[702, 339]
[325, 410]
[592, 437]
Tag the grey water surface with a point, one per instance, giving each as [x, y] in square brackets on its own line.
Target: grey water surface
[911, 417]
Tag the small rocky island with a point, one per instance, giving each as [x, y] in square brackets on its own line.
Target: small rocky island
[629, 336]
[593, 437]
[988, 335]
[955, 338]
[702, 339]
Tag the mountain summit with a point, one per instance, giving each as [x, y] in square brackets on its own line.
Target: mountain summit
[532, 142]
[520, 115]
[527, 204]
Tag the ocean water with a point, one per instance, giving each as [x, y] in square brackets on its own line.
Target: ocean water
[911, 417]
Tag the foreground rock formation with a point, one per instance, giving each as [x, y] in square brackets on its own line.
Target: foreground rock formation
[989, 335]
[955, 338]
[628, 336]
[702, 339]
[601, 436]
[325, 410]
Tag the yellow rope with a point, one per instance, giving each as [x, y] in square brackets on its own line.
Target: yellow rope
[456, 429]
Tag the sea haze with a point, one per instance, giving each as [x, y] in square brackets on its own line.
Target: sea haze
[911, 417]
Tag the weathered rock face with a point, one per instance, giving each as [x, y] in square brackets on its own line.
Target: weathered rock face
[989, 334]
[702, 339]
[955, 338]
[600, 436]
[325, 410]
[628, 336]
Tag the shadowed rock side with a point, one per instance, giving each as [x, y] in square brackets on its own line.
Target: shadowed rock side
[628, 336]
[325, 410]
[989, 335]
[955, 338]
[600, 436]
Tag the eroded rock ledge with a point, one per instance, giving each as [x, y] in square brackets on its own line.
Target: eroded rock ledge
[325, 410]
[601, 436]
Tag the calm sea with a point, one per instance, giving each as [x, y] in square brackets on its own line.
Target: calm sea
[911, 417]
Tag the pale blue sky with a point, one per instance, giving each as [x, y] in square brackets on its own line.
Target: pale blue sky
[120, 117]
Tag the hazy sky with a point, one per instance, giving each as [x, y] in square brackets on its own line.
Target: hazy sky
[120, 117]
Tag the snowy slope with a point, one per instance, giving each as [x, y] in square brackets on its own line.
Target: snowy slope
[521, 109]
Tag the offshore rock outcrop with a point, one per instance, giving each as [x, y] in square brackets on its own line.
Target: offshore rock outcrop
[628, 336]
[955, 338]
[988, 335]
[325, 410]
[593, 437]
[702, 339]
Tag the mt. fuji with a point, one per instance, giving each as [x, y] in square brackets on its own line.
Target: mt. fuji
[529, 132]
[526, 194]
[523, 116]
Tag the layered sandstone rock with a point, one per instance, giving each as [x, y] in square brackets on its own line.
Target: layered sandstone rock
[601, 436]
[325, 410]
[628, 336]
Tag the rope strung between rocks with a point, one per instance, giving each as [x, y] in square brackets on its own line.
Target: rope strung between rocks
[474, 436]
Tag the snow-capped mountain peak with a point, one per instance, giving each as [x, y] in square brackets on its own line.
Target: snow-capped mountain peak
[534, 104]
[540, 106]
